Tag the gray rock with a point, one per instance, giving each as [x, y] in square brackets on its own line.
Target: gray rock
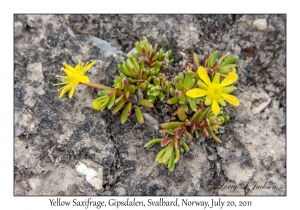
[151, 121]
[260, 100]
[18, 131]
[94, 176]
[212, 157]
[17, 28]
[105, 48]
[260, 24]
[35, 72]
[223, 153]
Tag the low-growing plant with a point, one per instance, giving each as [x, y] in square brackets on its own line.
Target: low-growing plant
[195, 94]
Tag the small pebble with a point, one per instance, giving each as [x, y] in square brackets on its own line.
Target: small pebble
[260, 24]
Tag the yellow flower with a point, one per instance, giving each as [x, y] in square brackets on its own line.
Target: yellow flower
[215, 91]
[74, 77]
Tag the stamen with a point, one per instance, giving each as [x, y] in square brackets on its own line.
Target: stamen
[61, 76]
[62, 83]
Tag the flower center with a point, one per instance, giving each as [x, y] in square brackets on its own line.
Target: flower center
[215, 91]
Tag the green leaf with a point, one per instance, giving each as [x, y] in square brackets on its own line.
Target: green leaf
[119, 106]
[180, 77]
[158, 65]
[172, 100]
[126, 112]
[139, 115]
[212, 58]
[155, 57]
[171, 161]
[124, 70]
[192, 102]
[156, 81]
[145, 103]
[146, 74]
[203, 114]
[136, 65]
[132, 89]
[154, 141]
[226, 69]
[229, 61]
[188, 79]
[182, 99]
[97, 104]
[142, 65]
[146, 44]
[188, 134]
[196, 114]
[181, 114]
[111, 101]
[152, 98]
[103, 92]
[177, 155]
[171, 124]
[223, 57]
[196, 59]
[185, 108]
[168, 131]
[155, 93]
[161, 96]
[226, 118]
[138, 47]
[214, 136]
[155, 47]
[131, 67]
[184, 145]
[172, 166]
[196, 133]
[160, 154]
[119, 99]
[168, 53]
[228, 89]
[168, 152]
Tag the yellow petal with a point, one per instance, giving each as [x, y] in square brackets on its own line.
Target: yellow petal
[65, 89]
[70, 68]
[196, 92]
[231, 78]
[231, 99]
[203, 75]
[84, 79]
[208, 100]
[215, 107]
[71, 91]
[88, 66]
[79, 66]
[216, 79]
[68, 72]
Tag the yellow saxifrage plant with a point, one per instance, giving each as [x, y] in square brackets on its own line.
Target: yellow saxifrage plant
[215, 91]
[74, 77]
[194, 95]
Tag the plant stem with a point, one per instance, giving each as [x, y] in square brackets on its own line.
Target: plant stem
[103, 87]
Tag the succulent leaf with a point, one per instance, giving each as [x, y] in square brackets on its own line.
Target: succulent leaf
[153, 141]
[139, 115]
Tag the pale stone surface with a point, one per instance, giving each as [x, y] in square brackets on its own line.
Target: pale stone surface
[260, 24]
[93, 176]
